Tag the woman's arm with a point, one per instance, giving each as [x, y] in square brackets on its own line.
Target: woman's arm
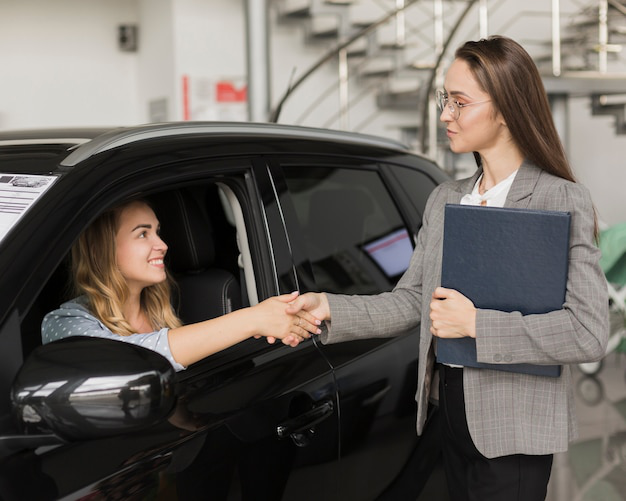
[73, 319]
[269, 318]
[188, 344]
[386, 314]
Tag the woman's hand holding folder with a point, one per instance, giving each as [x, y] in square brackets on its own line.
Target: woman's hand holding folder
[452, 315]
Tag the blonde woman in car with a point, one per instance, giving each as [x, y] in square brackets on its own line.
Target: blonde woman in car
[119, 272]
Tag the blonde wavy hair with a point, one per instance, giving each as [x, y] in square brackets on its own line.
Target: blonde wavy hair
[97, 276]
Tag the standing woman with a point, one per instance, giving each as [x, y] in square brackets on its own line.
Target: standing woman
[499, 429]
[125, 295]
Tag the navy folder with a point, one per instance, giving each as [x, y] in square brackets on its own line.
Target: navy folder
[508, 260]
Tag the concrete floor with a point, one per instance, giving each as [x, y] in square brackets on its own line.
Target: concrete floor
[594, 468]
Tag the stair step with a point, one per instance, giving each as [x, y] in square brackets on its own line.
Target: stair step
[362, 24]
[406, 100]
[376, 73]
[393, 46]
[420, 66]
[324, 34]
[611, 106]
[378, 49]
[358, 48]
[584, 82]
[323, 27]
[303, 12]
[607, 109]
[355, 53]
[614, 98]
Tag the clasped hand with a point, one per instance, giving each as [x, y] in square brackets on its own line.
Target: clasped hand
[452, 315]
[285, 321]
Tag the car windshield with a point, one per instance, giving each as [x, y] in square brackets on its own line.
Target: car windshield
[18, 193]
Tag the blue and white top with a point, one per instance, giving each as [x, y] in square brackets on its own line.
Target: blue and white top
[74, 319]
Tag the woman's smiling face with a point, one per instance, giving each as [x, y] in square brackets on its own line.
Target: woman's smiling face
[139, 249]
[478, 128]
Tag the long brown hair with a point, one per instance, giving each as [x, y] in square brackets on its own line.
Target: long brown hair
[508, 74]
[97, 276]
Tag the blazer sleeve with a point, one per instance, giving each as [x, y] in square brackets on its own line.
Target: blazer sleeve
[578, 332]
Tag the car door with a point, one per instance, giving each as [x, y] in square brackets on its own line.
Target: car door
[353, 233]
[256, 421]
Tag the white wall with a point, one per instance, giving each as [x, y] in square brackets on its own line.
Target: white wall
[60, 64]
[210, 45]
[156, 60]
[598, 157]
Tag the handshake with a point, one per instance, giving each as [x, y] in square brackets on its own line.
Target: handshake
[291, 317]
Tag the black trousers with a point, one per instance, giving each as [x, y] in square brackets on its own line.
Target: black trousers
[470, 475]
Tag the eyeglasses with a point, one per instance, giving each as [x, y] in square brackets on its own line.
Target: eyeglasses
[452, 106]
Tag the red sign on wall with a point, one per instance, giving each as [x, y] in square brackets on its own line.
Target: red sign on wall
[226, 92]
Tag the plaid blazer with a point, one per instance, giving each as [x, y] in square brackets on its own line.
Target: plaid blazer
[507, 413]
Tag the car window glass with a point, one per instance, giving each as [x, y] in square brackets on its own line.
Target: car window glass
[416, 185]
[355, 237]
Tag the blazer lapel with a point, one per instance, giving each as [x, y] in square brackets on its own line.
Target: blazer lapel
[453, 196]
[463, 188]
[521, 191]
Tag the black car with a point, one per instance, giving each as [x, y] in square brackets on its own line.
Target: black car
[248, 211]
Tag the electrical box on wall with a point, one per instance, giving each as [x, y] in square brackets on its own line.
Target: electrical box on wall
[127, 37]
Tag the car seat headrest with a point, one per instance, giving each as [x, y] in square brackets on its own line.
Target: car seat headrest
[187, 232]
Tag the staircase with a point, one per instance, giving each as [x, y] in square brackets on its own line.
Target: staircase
[595, 41]
[387, 56]
[615, 105]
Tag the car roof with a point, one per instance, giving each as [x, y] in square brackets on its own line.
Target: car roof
[79, 134]
[79, 144]
[125, 136]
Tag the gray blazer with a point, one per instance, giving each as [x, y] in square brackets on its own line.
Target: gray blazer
[507, 413]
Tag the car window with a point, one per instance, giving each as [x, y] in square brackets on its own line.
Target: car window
[204, 258]
[355, 237]
[415, 185]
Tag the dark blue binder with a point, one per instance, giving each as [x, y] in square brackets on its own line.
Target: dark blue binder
[508, 260]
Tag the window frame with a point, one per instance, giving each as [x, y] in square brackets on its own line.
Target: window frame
[296, 235]
[240, 174]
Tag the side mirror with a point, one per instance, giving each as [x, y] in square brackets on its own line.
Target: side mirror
[84, 388]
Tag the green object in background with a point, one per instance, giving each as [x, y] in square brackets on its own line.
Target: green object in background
[621, 347]
[612, 243]
[613, 247]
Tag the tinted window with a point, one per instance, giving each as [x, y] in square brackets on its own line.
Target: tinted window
[416, 186]
[355, 237]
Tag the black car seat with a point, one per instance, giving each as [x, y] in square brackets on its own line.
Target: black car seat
[205, 289]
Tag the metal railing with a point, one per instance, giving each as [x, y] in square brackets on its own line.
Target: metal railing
[436, 38]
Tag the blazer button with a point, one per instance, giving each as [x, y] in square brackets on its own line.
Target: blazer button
[508, 358]
[497, 357]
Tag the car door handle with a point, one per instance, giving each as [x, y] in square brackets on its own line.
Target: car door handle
[305, 421]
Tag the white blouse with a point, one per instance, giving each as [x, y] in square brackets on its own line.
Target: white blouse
[494, 197]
